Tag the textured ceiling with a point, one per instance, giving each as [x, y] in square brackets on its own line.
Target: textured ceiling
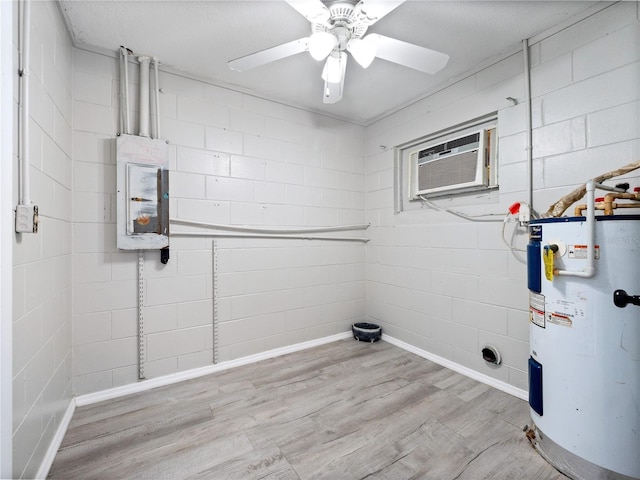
[199, 37]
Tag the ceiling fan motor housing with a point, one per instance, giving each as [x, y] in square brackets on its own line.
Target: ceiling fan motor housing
[343, 23]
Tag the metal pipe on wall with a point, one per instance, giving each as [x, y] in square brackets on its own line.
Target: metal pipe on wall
[288, 231]
[266, 235]
[144, 96]
[121, 93]
[124, 121]
[156, 97]
[24, 12]
[527, 86]
[127, 122]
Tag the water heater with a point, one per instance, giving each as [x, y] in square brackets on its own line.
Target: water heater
[584, 367]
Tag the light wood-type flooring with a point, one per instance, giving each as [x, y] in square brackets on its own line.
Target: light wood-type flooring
[345, 410]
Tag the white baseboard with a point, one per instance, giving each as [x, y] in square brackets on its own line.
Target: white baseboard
[456, 367]
[144, 385]
[56, 441]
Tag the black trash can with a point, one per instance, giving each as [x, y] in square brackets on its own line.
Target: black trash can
[366, 332]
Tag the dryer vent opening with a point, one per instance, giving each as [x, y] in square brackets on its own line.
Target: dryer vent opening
[491, 355]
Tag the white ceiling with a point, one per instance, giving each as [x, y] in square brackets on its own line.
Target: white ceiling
[199, 37]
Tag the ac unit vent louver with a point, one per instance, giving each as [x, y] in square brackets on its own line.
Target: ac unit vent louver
[458, 164]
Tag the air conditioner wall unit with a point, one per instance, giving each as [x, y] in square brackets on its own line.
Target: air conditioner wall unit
[460, 164]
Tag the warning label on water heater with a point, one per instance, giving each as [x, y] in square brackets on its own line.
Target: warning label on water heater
[536, 309]
[580, 251]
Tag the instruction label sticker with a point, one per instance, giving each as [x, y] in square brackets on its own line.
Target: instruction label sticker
[559, 319]
[580, 251]
[536, 309]
[565, 312]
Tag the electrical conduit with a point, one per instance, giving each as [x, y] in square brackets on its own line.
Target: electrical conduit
[156, 95]
[527, 86]
[238, 228]
[144, 96]
[256, 232]
[23, 139]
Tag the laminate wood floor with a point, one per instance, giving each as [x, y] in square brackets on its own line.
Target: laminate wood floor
[345, 410]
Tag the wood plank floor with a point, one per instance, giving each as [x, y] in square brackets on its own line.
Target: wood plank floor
[345, 410]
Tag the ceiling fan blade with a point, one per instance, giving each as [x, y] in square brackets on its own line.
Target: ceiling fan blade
[313, 10]
[370, 11]
[410, 55]
[269, 55]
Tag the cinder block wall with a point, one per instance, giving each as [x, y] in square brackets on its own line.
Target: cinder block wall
[451, 286]
[436, 282]
[235, 159]
[42, 262]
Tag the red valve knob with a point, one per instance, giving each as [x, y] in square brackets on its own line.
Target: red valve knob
[599, 199]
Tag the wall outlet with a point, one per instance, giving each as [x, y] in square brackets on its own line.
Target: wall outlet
[27, 219]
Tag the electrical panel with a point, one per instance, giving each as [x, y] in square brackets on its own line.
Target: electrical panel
[143, 193]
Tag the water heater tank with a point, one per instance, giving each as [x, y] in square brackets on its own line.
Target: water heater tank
[584, 369]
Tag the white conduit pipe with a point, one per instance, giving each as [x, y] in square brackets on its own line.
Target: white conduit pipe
[234, 228]
[153, 131]
[156, 97]
[24, 11]
[527, 85]
[123, 108]
[267, 235]
[144, 96]
[127, 122]
[120, 93]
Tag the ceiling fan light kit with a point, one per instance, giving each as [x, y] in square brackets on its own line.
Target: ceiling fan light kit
[339, 28]
[321, 44]
[363, 50]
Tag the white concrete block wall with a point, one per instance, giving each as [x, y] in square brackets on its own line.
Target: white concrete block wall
[42, 262]
[451, 286]
[234, 160]
[433, 280]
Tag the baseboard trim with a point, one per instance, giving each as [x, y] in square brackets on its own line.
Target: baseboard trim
[56, 441]
[456, 367]
[144, 385]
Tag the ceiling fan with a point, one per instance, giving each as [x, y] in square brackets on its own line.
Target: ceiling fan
[338, 27]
